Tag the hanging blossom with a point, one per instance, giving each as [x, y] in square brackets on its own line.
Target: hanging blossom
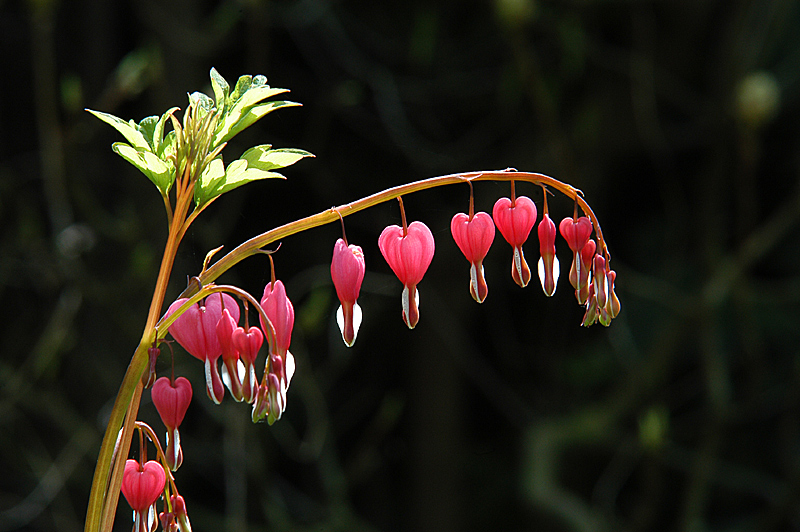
[178, 519]
[270, 399]
[474, 234]
[142, 484]
[548, 262]
[409, 252]
[247, 342]
[171, 399]
[515, 218]
[232, 367]
[196, 331]
[347, 273]
[576, 231]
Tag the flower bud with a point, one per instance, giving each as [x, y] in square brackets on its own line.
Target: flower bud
[347, 272]
[548, 262]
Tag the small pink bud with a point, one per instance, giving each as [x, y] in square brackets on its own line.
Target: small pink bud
[181, 515]
[548, 262]
[613, 301]
[142, 485]
[591, 314]
[474, 238]
[347, 272]
[585, 256]
[409, 256]
[600, 281]
[280, 312]
[515, 223]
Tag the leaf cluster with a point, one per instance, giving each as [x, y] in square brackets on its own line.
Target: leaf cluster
[158, 154]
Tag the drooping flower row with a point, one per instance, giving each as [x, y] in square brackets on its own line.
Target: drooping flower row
[210, 330]
[409, 251]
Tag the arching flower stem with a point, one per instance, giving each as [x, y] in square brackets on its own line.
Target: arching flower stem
[255, 244]
[107, 478]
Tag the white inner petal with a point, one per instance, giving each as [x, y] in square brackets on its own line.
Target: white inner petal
[289, 368]
[541, 273]
[518, 261]
[473, 279]
[226, 378]
[356, 320]
[556, 271]
[405, 302]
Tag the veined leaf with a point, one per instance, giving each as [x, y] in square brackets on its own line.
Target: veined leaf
[129, 130]
[159, 172]
[255, 164]
[230, 129]
[265, 158]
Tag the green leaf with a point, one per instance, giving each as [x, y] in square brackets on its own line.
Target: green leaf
[241, 111]
[264, 158]
[235, 122]
[159, 172]
[255, 164]
[130, 130]
[147, 127]
[221, 89]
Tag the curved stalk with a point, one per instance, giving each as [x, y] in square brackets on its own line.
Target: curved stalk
[255, 244]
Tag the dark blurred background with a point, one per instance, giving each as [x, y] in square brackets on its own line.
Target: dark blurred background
[678, 120]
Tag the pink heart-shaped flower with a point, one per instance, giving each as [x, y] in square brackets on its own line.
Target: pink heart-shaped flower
[408, 255]
[474, 237]
[576, 232]
[515, 222]
[141, 486]
[196, 329]
[172, 400]
[247, 343]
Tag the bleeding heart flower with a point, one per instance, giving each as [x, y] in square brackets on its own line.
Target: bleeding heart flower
[409, 253]
[142, 485]
[347, 272]
[247, 343]
[577, 232]
[548, 262]
[515, 221]
[172, 399]
[232, 367]
[613, 304]
[280, 312]
[196, 331]
[474, 237]
[586, 255]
